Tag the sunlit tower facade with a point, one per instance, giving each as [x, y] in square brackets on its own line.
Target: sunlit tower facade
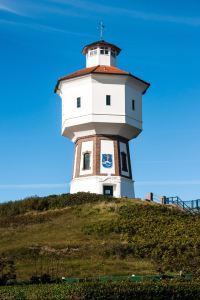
[101, 113]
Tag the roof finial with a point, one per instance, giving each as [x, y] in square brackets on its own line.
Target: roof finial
[102, 26]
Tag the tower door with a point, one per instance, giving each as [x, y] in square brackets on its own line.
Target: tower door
[108, 190]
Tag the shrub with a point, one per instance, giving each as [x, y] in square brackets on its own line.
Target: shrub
[51, 202]
[168, 236]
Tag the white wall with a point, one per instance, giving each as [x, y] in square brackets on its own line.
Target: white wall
[86, 146]
[92, 61]
[107, 147]
[94, 116]
[75, 159]
[85, 184]
[100, 59]
[133, 92]
[127, 188]
[123, 148]
[108, 85]
[104, 59]
[71, 90]
[113, 61]
[94, 184]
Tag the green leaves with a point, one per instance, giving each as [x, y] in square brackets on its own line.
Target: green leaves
[146, 290]
[168, 236]
[51, 202]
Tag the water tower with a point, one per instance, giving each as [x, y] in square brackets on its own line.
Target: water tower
[101, 113]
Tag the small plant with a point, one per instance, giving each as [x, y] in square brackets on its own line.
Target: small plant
[3, 280]
[35, 279]
[45, 278]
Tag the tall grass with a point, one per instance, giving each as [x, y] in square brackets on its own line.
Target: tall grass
[36, 203]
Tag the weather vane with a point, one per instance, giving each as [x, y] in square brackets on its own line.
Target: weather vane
[102, 27]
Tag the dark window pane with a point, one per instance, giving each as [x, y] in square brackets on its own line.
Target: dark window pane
[86, 161]
[124, 165]
[78, 102]
[101, 51]
[106, 51]
[108, 100]
[133, 104]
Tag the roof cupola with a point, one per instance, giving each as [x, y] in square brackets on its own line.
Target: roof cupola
[101, 53]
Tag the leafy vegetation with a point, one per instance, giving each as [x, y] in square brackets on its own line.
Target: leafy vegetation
[39, 204]
[170, 237]
[86, 235]
[163, 290]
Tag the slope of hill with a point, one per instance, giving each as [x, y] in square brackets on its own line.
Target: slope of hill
[88, 235]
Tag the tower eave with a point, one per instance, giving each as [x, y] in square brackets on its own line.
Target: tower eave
[104, 71]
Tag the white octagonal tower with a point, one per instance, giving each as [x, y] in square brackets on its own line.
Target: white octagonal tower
[101, 113]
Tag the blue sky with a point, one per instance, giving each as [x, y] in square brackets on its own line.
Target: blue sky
[42, 41]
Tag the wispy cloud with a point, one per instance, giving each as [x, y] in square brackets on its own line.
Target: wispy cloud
[43, 28]
[164, 161]
[168, 182]
[34, 186]
[8, 9]
[86, 9]
[99, 8]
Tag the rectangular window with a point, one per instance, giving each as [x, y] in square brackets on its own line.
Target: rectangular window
[93, 51]
[113, 53]
[102, 50]
[79, 102]
[86, 161]
[124, 165]
[133, 104]
[108, 100]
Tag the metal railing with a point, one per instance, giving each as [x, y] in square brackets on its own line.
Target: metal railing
[155, 198]
[192, 206]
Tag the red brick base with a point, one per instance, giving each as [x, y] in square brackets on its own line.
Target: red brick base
[96, 154]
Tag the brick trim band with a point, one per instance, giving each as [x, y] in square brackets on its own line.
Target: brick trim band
[96, 155]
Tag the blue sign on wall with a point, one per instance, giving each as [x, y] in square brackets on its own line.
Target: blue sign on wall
[107, 160]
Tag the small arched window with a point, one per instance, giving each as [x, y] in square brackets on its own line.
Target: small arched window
[86, 164]
[124, 163]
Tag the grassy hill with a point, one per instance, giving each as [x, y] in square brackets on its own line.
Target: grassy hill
[89, 235]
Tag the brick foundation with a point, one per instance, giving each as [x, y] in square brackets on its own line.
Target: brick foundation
[96, 155]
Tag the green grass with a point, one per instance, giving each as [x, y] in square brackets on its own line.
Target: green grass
[147, 290]
[57, 241]
[61, 245]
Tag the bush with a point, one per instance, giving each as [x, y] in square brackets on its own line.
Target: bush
[45, 278]
[148, 290]
[168, 236]
[51, 202]
[3, 280]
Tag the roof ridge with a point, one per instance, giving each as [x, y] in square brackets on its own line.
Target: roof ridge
[96, 67]
[75, 72]
[120, 69]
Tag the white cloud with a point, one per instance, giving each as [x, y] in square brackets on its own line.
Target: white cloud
[8, 9]
[168, 182]
[164, 161]
[34, 186]
[43, 28]
[99, 8]
[88, 8]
